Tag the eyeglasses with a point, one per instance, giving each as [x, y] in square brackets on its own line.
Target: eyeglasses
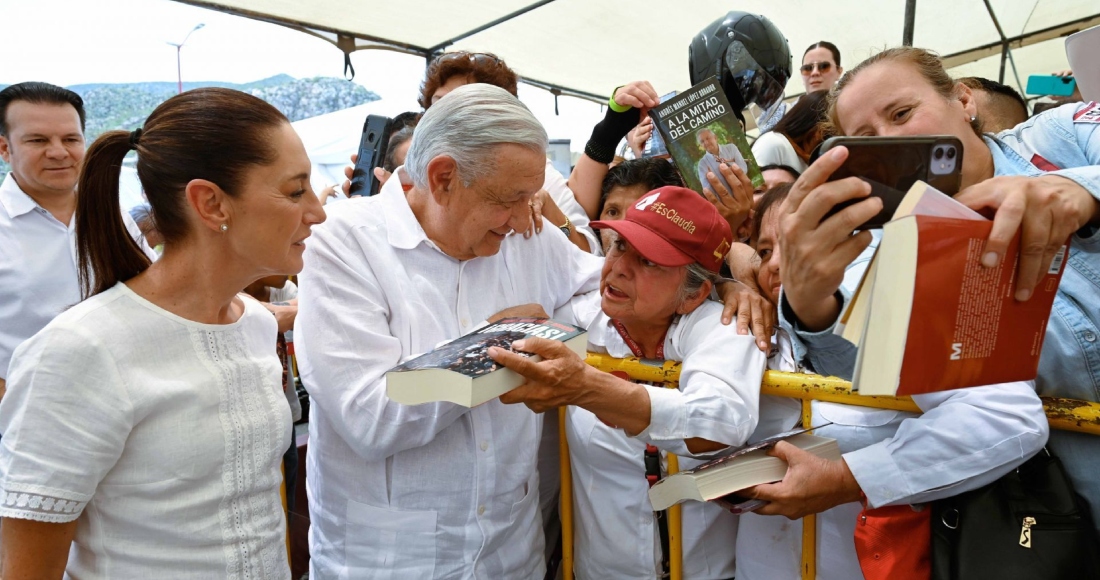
[474, 57]
[823, 67]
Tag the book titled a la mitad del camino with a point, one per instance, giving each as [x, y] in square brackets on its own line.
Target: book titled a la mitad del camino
[701, 132]
[461, 370]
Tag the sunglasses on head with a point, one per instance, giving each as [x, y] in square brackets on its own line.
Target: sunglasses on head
[823, 66]
[475, 57]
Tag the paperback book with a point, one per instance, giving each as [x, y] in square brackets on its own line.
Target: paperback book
[461, 370]
[928, 317]
[720, 479]
[701, 131]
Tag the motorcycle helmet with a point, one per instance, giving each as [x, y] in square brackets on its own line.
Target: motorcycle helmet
[750, 57]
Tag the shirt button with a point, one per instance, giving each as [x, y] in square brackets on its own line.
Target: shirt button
[484, 445]
[480, 510]
[1090, 336]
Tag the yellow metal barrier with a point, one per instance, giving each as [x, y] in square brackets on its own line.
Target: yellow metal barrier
[1062, 414]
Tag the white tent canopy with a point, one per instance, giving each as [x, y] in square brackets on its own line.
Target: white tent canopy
[588, 47]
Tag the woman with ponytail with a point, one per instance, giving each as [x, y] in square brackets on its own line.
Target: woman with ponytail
[144, 427]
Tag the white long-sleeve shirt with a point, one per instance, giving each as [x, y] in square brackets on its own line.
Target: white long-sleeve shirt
[718, 400]
[427, 491]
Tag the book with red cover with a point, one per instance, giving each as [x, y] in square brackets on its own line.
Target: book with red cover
[938, 320]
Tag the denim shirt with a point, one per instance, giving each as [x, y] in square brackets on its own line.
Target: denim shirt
[1070, 362]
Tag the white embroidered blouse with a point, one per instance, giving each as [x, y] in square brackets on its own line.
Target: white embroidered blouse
[162, 436]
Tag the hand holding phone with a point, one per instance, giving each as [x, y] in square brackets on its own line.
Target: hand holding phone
[893, 164]
[372, 152]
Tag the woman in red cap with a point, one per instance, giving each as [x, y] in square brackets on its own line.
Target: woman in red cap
[653, 304]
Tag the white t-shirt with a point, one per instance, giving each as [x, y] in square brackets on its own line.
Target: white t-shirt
[161, 436]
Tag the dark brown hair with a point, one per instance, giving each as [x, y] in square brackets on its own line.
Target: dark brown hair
[771, 200]
[477, 67]
[925, 62]
[827, 46]
[213, 134]
[804, 125]
[39, 94]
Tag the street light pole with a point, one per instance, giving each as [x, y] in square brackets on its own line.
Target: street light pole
[179, 46]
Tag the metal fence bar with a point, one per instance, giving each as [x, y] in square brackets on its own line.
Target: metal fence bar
[1062, 414]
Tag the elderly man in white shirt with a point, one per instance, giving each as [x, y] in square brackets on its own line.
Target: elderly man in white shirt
[42, 137]
[435, 490]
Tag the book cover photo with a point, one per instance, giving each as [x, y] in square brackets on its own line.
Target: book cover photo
[461, 371]
[701, 131]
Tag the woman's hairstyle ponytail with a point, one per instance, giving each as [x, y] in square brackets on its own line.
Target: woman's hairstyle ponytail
[106, 252]
[213, 134]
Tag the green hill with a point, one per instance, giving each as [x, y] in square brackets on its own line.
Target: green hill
[127, 105]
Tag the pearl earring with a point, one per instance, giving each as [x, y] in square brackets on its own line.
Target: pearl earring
[224, 228]
[973, 118]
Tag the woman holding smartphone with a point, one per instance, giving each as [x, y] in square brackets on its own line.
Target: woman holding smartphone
[144, 427]
[1043, 175]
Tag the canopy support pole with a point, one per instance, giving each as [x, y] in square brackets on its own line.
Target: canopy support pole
[910, 22]
[442, 45]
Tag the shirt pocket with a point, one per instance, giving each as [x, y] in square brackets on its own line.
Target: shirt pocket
[389, 543]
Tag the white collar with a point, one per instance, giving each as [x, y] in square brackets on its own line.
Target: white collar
[403, 230]
[15, 201]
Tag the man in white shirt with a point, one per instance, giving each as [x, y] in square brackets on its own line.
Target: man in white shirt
[42, 137]
[435, 490]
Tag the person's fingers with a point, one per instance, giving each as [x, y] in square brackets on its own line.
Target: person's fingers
[760, 329]
[1037, 248]
[628, 96]
[814, 176]
[349, 170]
[847, 251]
[346, 187]
[651, 93]
[517, 362]
[1006, 223]
[744, 315]
[845, 221]
[709, 195]
[729, 309]
[716, 184]
[543, 347]
[355, 158]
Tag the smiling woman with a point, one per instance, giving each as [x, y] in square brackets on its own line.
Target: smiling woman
[163, 382]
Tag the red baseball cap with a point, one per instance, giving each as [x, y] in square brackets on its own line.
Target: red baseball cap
[674, 226]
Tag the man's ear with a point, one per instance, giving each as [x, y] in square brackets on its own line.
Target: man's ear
[210, 203]
[442, 178]
[696, 299]
[5, 149]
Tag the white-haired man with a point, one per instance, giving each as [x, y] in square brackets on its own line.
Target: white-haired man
[716, 155]
[435, 490]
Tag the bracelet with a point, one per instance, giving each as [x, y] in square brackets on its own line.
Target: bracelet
[616, 106]
[567, 227]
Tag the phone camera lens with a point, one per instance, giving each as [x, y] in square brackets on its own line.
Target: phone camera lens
[938, 153]
[951, 153]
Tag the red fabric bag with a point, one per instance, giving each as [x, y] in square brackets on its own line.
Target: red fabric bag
[894, 543]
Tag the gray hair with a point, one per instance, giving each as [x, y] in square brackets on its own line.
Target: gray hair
[699, 135]
[466, 125]
[694, 278]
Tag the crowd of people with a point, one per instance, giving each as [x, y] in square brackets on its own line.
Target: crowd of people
[148, 403]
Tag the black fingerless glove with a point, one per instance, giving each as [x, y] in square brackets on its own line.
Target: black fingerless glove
[608, 132]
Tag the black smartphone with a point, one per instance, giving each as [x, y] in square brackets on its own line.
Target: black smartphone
[893, 164]
[372, 152]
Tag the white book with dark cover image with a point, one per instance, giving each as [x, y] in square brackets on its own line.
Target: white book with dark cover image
[720, 478]
[461, 371]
